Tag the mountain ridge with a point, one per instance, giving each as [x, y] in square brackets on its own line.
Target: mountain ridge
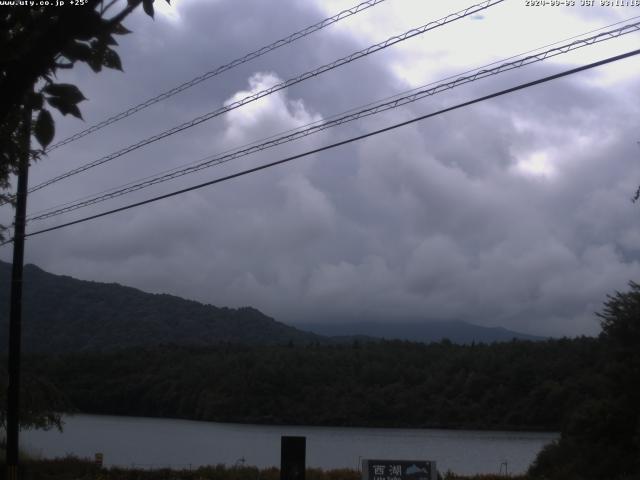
[425, 331]
[64, 314]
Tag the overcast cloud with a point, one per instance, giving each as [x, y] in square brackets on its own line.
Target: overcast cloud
[515, 212]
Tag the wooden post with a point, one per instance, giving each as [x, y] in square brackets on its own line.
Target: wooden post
[15, 308]
[293, 458]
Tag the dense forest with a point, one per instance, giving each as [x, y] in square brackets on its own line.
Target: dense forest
[515, 385]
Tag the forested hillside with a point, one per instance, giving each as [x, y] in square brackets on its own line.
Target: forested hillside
[515, 385]
[63, 314]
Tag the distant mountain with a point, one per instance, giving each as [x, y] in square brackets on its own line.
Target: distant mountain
[426, 331]
[63, 314]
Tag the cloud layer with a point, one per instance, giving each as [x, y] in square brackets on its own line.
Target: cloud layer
[514, 212]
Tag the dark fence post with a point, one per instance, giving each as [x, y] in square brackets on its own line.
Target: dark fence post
[293, 458]
[15, 306]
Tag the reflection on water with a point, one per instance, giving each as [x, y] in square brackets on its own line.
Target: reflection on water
[150, 442]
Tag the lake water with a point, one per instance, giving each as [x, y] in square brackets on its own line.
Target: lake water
[156, 443]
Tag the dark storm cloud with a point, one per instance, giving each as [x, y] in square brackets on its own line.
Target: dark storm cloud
[514, 212]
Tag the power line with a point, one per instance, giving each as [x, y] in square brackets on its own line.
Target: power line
[521, 86]
[280, 86]
[218, 70]
[339, 120]
[406, 92]
[256, 142]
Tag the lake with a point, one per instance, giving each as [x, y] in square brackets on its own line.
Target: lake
[156, 443]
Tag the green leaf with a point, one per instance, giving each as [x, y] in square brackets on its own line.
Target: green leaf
[97, 53]
[147, 5]
[95, 64]
[66, 91]
[77, 51]
[64, 107]
[120, 29]
[99, 57]
[111, 60]
[90, 25]
[44, 129]
[36, 100]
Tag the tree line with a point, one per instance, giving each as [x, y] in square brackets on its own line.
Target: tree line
[514, 385]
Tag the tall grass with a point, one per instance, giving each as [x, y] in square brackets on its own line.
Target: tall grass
[74, 468]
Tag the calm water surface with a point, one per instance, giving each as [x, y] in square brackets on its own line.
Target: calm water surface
[155, 443]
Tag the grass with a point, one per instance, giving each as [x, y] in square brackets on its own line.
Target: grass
[74, 468]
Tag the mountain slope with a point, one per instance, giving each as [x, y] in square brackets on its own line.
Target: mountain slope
[426, 331]
[63, 314]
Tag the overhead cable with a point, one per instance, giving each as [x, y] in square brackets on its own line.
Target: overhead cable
[337, 144]
[371, 109]
[354, 109]
[280, 86]
[218, 70]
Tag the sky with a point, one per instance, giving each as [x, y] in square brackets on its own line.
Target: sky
[514, 212]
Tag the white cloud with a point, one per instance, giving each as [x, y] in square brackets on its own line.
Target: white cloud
[267, 115]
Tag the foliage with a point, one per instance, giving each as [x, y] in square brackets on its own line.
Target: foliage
[516, 385]
[41, 402]
[601, 437]
[35, 43]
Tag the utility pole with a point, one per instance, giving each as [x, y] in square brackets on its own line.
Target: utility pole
[15, 309]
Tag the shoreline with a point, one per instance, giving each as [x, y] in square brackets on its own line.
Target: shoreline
[175, 442]
[496, 429]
